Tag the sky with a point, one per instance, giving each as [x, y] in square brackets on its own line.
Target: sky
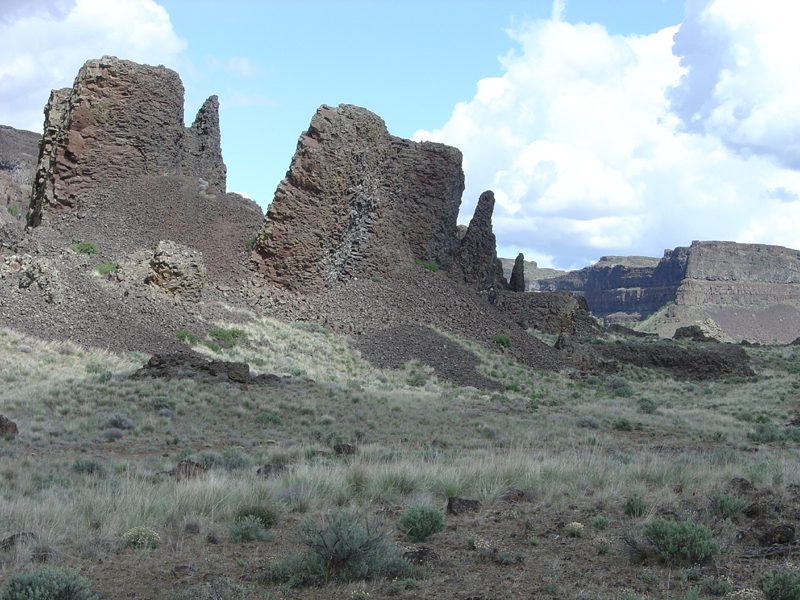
[604, 127]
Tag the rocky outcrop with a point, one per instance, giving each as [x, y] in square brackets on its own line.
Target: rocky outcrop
[356, 200]
[120, 120]
[18, 152]
[178, 271]
[477, 264]
[718, 273]
[517, 281]
[8, 429]
[549, 312]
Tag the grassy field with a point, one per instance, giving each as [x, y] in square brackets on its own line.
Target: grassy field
[573, 477]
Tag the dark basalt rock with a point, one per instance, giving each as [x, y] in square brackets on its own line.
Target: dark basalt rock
[457, 506]
[191, 365]
[517, 281]
[8, 429]
[477, 264]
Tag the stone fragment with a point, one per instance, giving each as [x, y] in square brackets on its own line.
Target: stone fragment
[457, 506]
[42, 275]
[8, 429]
[178, 271]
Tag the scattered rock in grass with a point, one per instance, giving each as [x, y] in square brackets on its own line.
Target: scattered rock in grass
[269, 470]
[24, 348]
[782, 534]
[512, 496]
[186, 469]
[8, 429]
[421, 556]
[10, 541]
[344, 449]
[457, 506]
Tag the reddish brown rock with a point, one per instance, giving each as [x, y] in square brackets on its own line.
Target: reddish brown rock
[120, 120]
[357, 200]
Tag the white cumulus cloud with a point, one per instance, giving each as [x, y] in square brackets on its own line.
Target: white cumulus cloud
[593, 144]
[45, 42]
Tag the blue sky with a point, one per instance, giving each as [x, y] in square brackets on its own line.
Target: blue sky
[604, 126]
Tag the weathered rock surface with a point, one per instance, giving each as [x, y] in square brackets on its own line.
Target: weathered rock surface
[517, 281]
[178, 271]
[8, 429]
[120, 121]
[549, 312]
[18, 152]
[477, 264]
[187, 364]
[357, 200]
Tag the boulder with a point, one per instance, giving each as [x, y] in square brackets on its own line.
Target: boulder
[8, 429]
[40, 274]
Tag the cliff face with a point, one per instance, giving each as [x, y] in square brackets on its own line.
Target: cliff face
[18, 152]
[120, 120]
[718, 274]
[356, 201]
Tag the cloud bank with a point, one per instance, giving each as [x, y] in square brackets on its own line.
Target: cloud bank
[45, 42]
[597, 144]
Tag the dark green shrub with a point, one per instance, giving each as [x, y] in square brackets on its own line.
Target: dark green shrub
[89, 467]
[186, 336]
[267, 516]
[420, 521]
[104, 268]
[417, 379]
[84, 248]
[267, 417]
[249, 529]
[726, 506]
[623, 424]
[47, 583]
[681, 543]
[251, 242]
[765, 433]
[780, 584]
[716, 587]
[620, 387]
[348, 546]
[635, 506]
[600, 522]
[430, 265]
[503, 340]
[162, 403]
[647, 406]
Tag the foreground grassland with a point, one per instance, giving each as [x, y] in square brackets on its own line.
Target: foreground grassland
[573, 476]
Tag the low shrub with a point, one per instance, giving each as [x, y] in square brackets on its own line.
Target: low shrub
[620, 387]
[13, 210]
[348, 546]
[267, 417]
[120, 422]
[635, 506]
[681, 543]
[84, 247]
[503, 340]
[104, 268]
[420, 522]
[647, 406]
[88, 467]
[623, 424]
[47, 583]
[186, 336]
[430, 265]
[600, 522]
[268, 517]
[780, 584]
[141, 537]
[248, 529]
[251, 242]
[726, 506]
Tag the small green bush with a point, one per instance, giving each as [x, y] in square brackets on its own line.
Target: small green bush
[623, 424]
[186, 336]
[84, 248]
[88, 466]
[249, 529]
[267, 516]
[141, 537]
[681, 543]
[420, 521]
[503, 340]
[104, 268]
[765, 433]
[251, 242]
[13, 210]
[430, 265]
[635, 506]
[727, 507]
[47, 583]
[620, 387]
[348, 546]
[647, 406]
[267, 417]
[600, 522]
[780, 584]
